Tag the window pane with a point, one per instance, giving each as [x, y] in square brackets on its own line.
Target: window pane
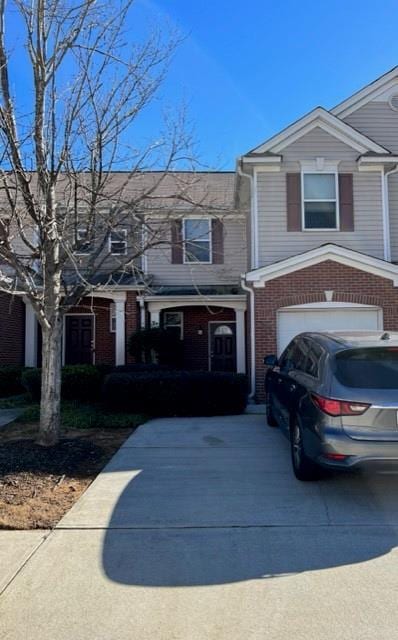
[118, 242]
[83, 243]
[118, 248]
[196, 229]
[197, 252]
[224, 330]
[118, 236]
[375, 368]
[171, 318]
[319, 186]
[320, 215]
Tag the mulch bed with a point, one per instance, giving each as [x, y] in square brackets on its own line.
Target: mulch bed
[39, 485]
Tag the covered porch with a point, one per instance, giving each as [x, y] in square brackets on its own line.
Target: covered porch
[95, 331]
[211, 328]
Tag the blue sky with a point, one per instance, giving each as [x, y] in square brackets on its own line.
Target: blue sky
[248, 69]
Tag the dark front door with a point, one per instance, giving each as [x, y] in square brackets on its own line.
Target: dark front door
[79, 339]
[222, 346]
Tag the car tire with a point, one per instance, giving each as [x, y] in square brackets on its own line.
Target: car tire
[271, 420]
[304, 469]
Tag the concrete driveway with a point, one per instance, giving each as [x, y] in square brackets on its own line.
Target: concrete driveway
[198, 530]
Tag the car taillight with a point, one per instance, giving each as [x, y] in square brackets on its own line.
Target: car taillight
[339, 407]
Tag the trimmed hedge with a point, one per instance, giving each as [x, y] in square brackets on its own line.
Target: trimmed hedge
[10, 381]
[141, 367]
[176, 393]
[79, 382]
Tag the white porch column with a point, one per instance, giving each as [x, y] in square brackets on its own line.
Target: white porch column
[31, 328]
[155, 318]
[240, 341]
[120, 334]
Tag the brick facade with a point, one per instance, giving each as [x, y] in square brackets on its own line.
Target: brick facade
[196, 346]
[104, 337]
[12, 330]
[309, 285]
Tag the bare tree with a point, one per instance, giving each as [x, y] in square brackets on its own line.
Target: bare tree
[60, 144]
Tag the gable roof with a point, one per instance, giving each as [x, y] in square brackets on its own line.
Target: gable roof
[318, 117]
[329, 251]
[367, 93]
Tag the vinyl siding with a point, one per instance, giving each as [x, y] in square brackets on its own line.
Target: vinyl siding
[159, 264]
[276, 243]
[377, 121]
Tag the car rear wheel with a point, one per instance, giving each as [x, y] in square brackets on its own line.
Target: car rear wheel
[304, 469]
[269, 412]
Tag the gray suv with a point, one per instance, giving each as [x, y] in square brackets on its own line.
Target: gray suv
[335, 395]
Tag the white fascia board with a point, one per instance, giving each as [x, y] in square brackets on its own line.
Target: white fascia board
[377, 159]
[319, 117]
[158, 303]
[262, 159]
[368, 93]
[335, 253]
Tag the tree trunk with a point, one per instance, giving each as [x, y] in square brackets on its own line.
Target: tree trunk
[50, 405]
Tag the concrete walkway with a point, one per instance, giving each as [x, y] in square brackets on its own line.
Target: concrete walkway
[198, 530]
[8, 415]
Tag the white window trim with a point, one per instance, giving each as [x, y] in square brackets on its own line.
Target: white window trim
[110, 241]
[112, 316]
[82, 253]
[210, 241]
[336, 200]
[181, 325]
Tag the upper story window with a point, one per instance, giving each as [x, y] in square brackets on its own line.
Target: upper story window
[320, 208]
[118, 242]
[83, 242]
[197, 240]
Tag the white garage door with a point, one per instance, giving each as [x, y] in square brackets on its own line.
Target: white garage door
[325, 317]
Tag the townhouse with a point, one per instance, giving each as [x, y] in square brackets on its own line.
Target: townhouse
[302, 236]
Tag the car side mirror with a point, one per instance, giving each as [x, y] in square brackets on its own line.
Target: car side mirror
[270, 361]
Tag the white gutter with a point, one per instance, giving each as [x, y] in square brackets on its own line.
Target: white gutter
[253, 214]
[252, 339]
[386, 213]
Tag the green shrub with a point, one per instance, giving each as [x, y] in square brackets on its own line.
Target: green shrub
[156, 343]
[140, 367]
[79, 382]
[10, 381]
[176, 393]
[31, 381]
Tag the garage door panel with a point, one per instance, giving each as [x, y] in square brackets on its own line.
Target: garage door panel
[294, 321]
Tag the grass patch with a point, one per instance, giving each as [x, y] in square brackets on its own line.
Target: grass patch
[76, 415]
[14, 402]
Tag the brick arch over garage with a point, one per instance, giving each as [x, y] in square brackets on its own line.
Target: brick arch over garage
[308, 285]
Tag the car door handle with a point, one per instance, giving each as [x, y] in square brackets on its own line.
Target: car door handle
[292, 387]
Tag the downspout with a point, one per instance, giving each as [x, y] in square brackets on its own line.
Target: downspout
[253, 216]
[386, 213]
[244, 286]
[252, 339]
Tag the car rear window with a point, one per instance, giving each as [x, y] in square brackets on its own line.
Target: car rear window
[369, 368]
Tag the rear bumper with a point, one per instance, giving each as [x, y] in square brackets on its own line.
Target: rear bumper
[358, 453]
